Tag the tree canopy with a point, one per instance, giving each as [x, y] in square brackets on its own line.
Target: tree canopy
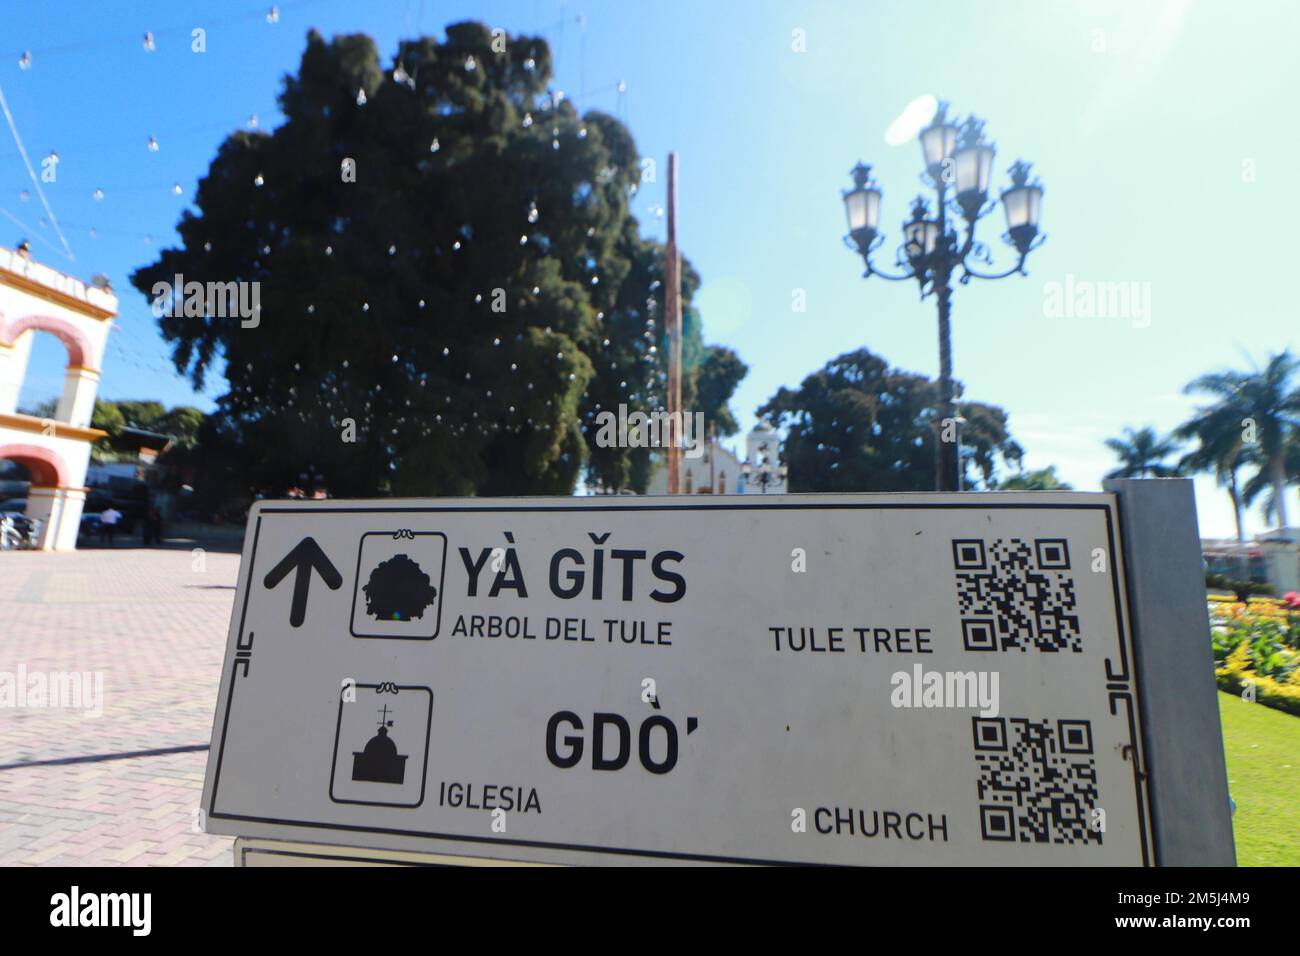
[859, 425]
[1254, 420]
[1040, 479]
[1142, 454]
[451, 282]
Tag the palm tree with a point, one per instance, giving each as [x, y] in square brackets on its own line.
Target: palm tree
[1264, 406]
[1221, 450]
[1262, 480]
[1142, 455]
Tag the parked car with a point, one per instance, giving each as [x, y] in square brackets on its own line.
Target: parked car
[132, 509]
[90, 526]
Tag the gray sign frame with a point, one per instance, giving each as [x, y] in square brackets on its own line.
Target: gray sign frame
[1172, 678]
[1187, 777]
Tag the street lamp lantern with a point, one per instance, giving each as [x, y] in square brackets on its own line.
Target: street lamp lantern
[920, 233]
[972, 167]
[761, 473]
[1023, 202]
[937, 143]
[959, 162]
[862, 206]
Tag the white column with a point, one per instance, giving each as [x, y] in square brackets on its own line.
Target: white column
[78, 402]
[13, 367]
[59, 511]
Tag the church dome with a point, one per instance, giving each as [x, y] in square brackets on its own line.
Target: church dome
[381, 746]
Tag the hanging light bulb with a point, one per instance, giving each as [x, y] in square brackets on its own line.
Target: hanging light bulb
[176, 188]
[470, 64]
[528, 120]
[530, 64]
[273, 15]
[25, 61]
[532, 212]
[259, 181]
[435, 145]
[361, 96]
[148, 43]
[98, 194]
[252, 121]
[153, 145]
[400, 75]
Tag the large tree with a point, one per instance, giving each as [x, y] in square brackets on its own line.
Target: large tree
[452, 285]
[1258, 411]
[859, 425]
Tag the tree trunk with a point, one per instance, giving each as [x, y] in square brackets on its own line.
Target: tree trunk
[1236, 505]
[1277, 469]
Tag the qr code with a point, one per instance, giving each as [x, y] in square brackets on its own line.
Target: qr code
[1037, 783]
[1011, 594]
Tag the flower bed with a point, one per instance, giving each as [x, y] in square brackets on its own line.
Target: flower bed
[1257, 649]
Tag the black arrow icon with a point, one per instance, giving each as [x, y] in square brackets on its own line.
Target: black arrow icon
[303, 558]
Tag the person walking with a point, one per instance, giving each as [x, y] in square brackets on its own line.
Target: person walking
[108, 519]
[151, 527]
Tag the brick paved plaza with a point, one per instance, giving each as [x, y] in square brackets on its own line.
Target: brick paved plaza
[155, 626]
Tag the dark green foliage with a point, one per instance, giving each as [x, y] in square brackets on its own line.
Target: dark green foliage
[486, 387]
[1041, 479]
[858, 425]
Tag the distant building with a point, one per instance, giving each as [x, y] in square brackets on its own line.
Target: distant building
[720, 471]
[1271, 558]
[55, 452]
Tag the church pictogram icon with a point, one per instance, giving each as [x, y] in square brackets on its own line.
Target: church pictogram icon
[381, 744]
[380, 762]
[398, 590]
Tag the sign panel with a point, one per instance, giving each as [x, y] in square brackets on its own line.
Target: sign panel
[863, 679]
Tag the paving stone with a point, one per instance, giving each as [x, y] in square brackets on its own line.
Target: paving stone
[153, 630]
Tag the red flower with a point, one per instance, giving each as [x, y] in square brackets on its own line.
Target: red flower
[1292, 599]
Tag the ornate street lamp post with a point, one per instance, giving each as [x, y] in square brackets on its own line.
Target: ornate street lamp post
[958, 163]
[762, 472]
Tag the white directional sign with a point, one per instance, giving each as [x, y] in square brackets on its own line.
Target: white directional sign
[863, 679]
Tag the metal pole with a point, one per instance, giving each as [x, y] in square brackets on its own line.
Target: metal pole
[946, 476]
[673, 322]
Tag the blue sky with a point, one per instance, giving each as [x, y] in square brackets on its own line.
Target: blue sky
[1162, 132]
